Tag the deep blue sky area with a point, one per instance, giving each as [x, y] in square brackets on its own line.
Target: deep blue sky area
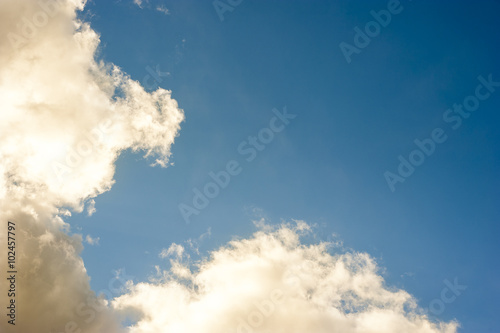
[328, 165]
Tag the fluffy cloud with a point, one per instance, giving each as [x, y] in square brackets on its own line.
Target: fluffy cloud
[274, 283]
[64, 119]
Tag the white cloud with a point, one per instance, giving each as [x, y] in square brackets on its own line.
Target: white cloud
[174, 250]
[194, 244]
[92, 241]
[91, 208]
[145, 4]
[163, 9]
[407, 274]
[273, 283]
[64, 119]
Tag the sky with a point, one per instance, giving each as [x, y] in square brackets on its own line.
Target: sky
[251, 166]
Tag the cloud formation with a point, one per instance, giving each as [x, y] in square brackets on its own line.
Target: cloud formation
[64, 119]
[272, 282]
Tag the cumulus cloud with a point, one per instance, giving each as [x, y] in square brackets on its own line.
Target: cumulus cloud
[64, 119]
[272, 282]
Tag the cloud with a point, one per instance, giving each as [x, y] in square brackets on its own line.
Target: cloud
[65, 117]
[145, 4]
[138, 3]
[163, 9]
[91, 208]
[274, 283]
[194, 244]
[92, 241]
[174, 249]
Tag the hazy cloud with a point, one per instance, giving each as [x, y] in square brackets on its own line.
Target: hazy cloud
[174, 250]
[91, 208]
[163, 9]
[92, 241]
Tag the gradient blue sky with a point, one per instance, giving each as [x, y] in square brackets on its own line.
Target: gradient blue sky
[327, 167]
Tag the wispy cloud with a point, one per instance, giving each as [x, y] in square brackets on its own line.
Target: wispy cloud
[91, 207]
[174, 250]
[92, 241]
[163, 9]
[138, 2]
[146, 4]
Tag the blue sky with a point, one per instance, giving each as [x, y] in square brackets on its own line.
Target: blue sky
[327, 166]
